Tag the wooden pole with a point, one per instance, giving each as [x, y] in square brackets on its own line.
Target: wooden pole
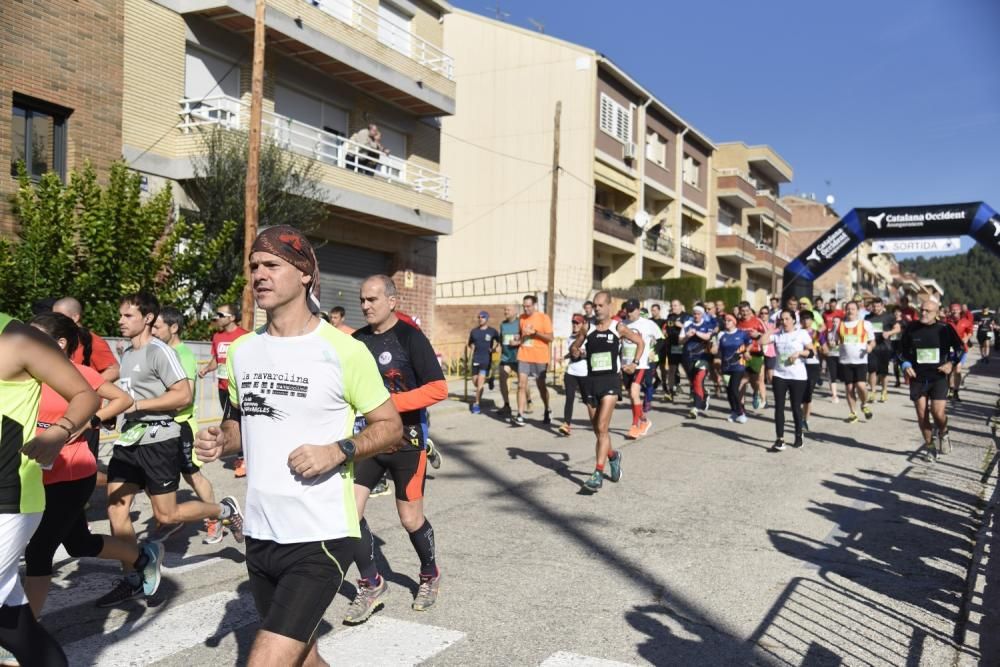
[253, 159]
[550, 298]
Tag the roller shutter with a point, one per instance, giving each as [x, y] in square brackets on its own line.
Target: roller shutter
[342, 270]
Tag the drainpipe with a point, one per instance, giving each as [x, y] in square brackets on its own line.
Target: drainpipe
[679, 188]
[640, 149]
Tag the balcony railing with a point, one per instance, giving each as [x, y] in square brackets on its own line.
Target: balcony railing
[362, 17]
[613, 224]
[741, 174]
[771, 202]
[656, 240]
[313, 142]
[692, 257]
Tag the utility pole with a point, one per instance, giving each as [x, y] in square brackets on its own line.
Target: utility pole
[253, 160]
[550, 299]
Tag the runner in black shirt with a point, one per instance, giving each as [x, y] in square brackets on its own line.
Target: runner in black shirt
[928, 350]
[675, 350]
[412, 375]
[884, 325]
[660, 353]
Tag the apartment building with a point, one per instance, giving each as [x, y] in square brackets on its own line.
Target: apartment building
[752, 225]
[60, 89]
[634, 186]
[332, 67]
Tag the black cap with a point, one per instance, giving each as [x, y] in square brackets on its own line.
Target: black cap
[630, 305]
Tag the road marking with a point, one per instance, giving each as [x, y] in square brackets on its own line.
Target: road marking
[387, 642]
[566, 659]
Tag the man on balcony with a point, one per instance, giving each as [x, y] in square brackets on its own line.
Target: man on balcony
[368, 149]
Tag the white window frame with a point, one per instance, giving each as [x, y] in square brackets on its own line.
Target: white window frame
[615, 120]
[658, 146]
[692, 170]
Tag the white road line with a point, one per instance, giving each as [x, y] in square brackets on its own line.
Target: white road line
[387, 642]
[566, 659]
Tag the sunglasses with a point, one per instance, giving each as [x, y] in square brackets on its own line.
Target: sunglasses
[219, 316]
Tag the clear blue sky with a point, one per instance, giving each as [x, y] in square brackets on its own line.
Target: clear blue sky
[894, 102]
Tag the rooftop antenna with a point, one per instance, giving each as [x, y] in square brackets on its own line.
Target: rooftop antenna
[499, 13]
[538, 25]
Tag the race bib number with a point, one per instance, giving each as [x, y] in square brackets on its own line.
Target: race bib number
[508, 340]
[852, 339]
[835, 350]
[628, 351]
[601, 361]
[784, 359]
[928, 355]
[878, 327]
[676, 349]
[132, 436]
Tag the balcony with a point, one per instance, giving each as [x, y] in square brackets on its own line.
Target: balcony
[350, 41]
[658, 241]
[326, 147]
[736, 188]
[768, 202]
[613, 224]
[735, 246]
[692, 257]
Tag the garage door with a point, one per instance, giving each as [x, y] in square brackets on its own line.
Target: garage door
[342, 269]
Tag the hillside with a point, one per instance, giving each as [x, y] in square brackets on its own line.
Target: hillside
[973, 278]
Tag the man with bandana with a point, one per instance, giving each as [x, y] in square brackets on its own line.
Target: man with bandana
[296, 386]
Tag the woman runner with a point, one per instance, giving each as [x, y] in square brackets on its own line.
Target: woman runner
[792, 346]
[732, 348]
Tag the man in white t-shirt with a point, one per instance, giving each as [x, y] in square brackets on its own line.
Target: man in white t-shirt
[637, 383]
[295, 385]
[856, 338]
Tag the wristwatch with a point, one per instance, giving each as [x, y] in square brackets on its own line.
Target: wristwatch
[347, 446]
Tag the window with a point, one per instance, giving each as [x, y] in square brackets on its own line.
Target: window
[207, 76]
[727, 220]
[38, 137]
[692, 171]
[616, 120]
[394, 28]
[656, 149]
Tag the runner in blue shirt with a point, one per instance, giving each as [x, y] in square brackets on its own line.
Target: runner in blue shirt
[696, 335]
[732, 349]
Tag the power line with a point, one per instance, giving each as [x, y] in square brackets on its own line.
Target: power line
[503, 203]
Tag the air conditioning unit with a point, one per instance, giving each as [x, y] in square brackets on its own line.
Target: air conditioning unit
[628, 151]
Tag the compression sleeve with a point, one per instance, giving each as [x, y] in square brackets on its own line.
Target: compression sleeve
[421, 397]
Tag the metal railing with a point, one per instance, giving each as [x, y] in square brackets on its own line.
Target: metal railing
[738, 172]
[657, 241]
[326, 147]
[614, 224]
[693, 257]
[365, 19]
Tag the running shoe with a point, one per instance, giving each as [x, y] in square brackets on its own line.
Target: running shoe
[214, 531]
[615, 465]
[853, 418]
[427, 593]
[127, 588]
[756, 401]
[367, 601]
[930, 454]
[594, 482]
[741, 419]
[491, 383]
[779, 445]
[644, 426]
[381, 489]
[884, 397]
[564, 429]
[797, 443]
[7, 658]
[241, 468]
[668, 397]
[476, 409]
[835, 399]
[504, 411]
[547, 417]
[955, 397]
[433, 455]
[151, 571]
[763, 404]
[693, 413]
[866, 411]
[805, 425]
[731, 417]
[162, 531]
[944, 443]
[518, 420]
[633, 432]
[235, 519]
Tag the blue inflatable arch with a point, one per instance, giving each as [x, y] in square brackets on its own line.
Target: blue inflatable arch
[973, 219]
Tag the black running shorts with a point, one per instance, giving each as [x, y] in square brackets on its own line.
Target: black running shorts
[293, 584]
[935, 389]
[644, 376]
[155, 467]
[853, 373]
[407, 467]
[878, 360]
[595, 387]
[189, 460]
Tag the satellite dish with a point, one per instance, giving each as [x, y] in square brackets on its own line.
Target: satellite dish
[829, 200]
[642, 219]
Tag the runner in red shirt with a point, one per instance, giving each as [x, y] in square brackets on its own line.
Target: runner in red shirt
[754, 376]
[910, 313]
[93, 351]
[961, 321]
[224, 320]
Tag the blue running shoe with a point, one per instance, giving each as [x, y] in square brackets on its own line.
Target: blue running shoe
[616, 467]
[151, 572]
[594, 482]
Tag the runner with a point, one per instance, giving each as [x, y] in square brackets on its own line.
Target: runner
[27, 359]
[168, 329]
[765, 316]
[792, 346]
[660, 351]
[227, 331]
[928, 349]
[601, 346]
[414, 379]
[984, 334]
[713, 315]
[856, 340]
[574, 378]
[588, 313]
[675, 349]
[298, 384]
[638, 382]
[71, 479]
[813, 370]
[696, 336]
[337, 315]
[831, 350]
[961, 320]
[93, 351]
[732, 348]
[147, 454]
[884, 325]
[910, 314]
[483, 341]
[754, 375]
[510, 333]
[532, 357]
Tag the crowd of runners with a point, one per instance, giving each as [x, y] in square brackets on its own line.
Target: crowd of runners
[787, 350]
[318, 417]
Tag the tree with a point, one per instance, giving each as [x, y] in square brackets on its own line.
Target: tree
[290, 194]
[972, 278]
[96, 243]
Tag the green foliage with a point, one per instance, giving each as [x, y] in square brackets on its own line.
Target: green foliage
[688, 289]
[289, 194]
[728, 295]
[96, 243]
[973, 278]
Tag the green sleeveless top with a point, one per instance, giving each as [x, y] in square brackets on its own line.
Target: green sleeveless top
[21, 489]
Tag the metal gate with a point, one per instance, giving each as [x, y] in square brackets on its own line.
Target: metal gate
[342, 270]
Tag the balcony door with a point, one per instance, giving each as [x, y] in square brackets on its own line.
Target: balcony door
[307, 124]
[209, 76]
[394, 28]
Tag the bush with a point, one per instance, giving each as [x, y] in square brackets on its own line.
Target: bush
[687, 290]
[728, 295]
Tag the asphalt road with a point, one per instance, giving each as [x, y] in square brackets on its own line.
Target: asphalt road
[710, 551]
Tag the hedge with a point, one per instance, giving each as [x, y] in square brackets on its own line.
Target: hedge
[687, 290]
[728, 295]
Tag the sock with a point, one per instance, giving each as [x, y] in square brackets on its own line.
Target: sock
[364, 554]
[141, 562]
[422, 540]
[599, 467]
[225, 511]
[636, 414]
[612, 454]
